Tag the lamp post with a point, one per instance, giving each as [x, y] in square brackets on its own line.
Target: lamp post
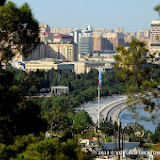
[123, 132]
[119, 147]
[122, 139]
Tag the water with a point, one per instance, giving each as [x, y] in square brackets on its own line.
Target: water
[125, 115]
[128, 145]
[144, 118]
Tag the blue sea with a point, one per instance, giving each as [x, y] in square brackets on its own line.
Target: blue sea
[144, 118]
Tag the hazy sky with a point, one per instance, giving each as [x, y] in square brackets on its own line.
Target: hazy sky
[132, 15]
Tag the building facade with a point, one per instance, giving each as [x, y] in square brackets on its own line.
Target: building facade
[119, 29]
[143, 33]
[46, 37]
[84, 66]
[61, 30]
[44, 28]
[55, 51]
[155, 34]
[47, 65]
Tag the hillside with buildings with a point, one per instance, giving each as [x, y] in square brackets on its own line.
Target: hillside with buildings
[80, 49]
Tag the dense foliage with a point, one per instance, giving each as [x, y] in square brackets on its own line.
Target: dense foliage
[20, 116]
[136, 68]
[21, 121]
[156, 136]
[19, 30]
[30, 147]
[24, 119]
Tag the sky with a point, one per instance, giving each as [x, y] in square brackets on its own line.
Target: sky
[132, 15]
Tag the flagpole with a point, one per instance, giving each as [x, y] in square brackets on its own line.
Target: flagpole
[99, 100]
[98, 106]
[99, 88]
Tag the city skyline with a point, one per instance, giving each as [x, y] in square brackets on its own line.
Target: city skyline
[131, 15]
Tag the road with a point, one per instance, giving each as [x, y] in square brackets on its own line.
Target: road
[112, 110]
[106, 104]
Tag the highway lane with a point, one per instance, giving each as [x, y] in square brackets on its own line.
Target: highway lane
[115, 111]
[105, 105]
[107, 111]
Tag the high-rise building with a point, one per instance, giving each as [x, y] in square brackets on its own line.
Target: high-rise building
[116, 42]
[115, 35]
[85, 45]
[97, 43]
[127, 40]
[143, 33]
[55, 51]
[146, 40]
[61, 30]
[102, 30]
[38, 53]
[101, 44]
[62, 51]
[63, 38]
[132, 34]
[44, 28]
[107, 44]
[46, 37]
[119, 29]
[155, 39]
[155, 34]
[76, 33]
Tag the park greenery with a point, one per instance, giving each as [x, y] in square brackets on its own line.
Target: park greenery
[22, 124]
[135, 66]
[24, 119]
[156, 136]
[19, 30]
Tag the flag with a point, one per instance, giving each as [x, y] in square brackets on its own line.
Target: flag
[100, 80]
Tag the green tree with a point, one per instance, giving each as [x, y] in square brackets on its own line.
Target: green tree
[156, 136]
[157, 9]
[82, 120]
[107, 128]
[2, 2]
[4, 154]
[53, 149]
[17, 114]
[135, 67]
[19, 30]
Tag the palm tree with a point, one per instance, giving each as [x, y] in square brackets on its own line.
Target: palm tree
[157, 9]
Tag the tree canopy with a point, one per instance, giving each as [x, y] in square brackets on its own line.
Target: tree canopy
[19, 30]
[135, 66]
[157, 9]
[2, 2]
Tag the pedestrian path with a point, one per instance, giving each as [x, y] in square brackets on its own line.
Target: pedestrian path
[92, 107]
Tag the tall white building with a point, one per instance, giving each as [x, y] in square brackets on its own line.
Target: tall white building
[155, 34]
[76, 33]
[85, 45]
[155, 39]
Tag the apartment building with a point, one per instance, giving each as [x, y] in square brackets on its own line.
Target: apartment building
[61, 30]
[54, 50]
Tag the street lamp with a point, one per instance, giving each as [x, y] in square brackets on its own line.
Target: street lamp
[123, 132]
[119, 147]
